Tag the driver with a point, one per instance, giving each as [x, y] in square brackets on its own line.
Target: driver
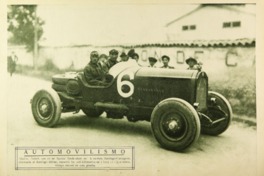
[93, 73]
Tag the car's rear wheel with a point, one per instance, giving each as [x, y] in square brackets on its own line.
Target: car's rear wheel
[218, 108]
[92, 112]
[46, 107]
[175, 124]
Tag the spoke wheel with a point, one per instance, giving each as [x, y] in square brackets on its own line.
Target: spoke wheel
[46, 107]
[175, 124]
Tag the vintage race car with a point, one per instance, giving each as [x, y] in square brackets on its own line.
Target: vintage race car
[176, 102]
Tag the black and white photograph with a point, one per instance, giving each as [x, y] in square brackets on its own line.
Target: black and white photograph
[131, 88]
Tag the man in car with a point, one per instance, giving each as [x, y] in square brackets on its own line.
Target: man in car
[93, 73]
[112, 60]
[152, 62]
[124, 57]
[130, 53]
[193, 64]
[102, 62]
[135, 56]
[165, 60]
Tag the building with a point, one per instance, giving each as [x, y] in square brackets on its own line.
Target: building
[214, 22]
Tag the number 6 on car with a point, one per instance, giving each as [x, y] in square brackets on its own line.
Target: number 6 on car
[121, 83]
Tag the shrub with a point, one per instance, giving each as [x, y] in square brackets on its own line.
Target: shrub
[239, 87]
[49, 66]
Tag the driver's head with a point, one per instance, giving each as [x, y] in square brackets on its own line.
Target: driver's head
[113, 54]
[94, 56]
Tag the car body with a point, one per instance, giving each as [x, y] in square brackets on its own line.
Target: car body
[176, 102]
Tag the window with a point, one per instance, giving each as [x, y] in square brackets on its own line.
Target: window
[236, 24]
[180, 57]
[226, 25]
[231, 24]
[192, 27]
[185, 28]
[188, 27]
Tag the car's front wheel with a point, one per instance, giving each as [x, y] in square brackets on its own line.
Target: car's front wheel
[220, 110]
[175, 124]
[46, 107]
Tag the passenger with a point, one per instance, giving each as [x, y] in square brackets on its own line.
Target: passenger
[165, 60]
[112, 60]
[152, 62]
[131, 57]
[193, 64]
[103, 58]
[131, 53]
[93, 73]
[124, 57]
[135, 56]
[102, 62]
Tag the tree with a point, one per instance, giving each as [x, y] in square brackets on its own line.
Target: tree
[24, 25]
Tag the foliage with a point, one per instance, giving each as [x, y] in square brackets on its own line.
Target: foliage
[22, 21]
[49, 66]
[239, 87]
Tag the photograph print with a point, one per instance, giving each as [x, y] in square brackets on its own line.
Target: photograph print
[131, 89]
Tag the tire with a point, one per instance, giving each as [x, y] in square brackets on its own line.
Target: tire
[221, 108]
[46, 107]
[92, 112]
[175, 124]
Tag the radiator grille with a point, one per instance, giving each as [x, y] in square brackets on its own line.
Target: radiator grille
[201, 93]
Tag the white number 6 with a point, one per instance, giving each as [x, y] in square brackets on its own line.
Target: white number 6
[121, 83]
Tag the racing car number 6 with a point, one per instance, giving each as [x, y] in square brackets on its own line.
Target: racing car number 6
[121, 83]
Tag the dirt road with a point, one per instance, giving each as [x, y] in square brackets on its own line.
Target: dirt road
[232, 153]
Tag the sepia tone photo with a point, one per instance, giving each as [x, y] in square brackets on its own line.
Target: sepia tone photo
[131, 89]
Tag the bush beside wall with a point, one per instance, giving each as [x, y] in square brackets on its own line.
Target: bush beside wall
[239, 87]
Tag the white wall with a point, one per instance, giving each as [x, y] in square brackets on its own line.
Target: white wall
[213, 58]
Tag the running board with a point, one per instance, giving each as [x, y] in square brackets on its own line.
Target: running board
[111, 106]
